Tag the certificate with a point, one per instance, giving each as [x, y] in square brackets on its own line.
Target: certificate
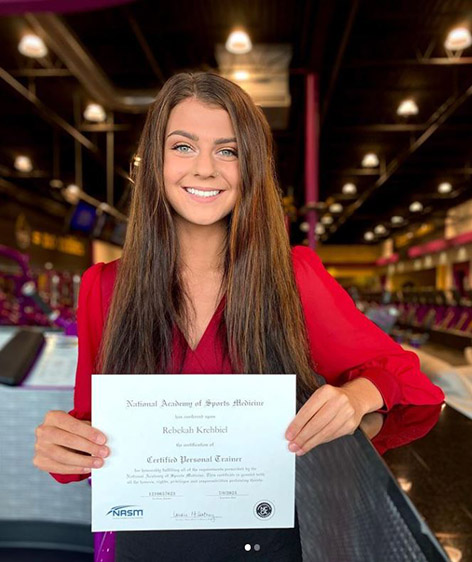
[194, 452]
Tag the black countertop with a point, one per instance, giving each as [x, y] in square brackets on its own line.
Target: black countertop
[436, 473]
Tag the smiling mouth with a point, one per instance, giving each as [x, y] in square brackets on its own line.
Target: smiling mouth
[204, 193]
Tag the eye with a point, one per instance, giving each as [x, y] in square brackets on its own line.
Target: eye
[231, 151]
[176, 147]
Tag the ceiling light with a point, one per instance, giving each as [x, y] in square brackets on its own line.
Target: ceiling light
[136, 161]
[380, 229]
[238, 42]
[72, 193]
[407, 108]
[23, 164]
[94, 112]
[416, 207]
[104, 207]
[336, 208]
[444, 187]
[305, 226]
[241, 75]
[32, 46]
[349, 189]
[396, 219]
[319, 229]
[458, 39]
[370, 160]
[369, 236]
[57, 184]
[327, 219]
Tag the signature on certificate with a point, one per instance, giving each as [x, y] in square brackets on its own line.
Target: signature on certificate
[194, 516]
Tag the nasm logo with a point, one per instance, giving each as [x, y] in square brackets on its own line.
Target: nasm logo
[126, 511]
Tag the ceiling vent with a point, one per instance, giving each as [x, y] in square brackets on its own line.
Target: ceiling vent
[264, 74]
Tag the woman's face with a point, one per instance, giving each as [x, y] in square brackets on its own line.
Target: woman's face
[201, 167]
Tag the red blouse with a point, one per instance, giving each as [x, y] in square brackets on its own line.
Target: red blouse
[344, 344]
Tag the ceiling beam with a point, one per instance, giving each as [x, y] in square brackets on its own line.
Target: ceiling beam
[41, 72]
[138, 33]
[31, 199]
[434, 123]
[415, 13]
[63, 41]
[379, 128]
[46, 113]
[338, 60]
[56, 120]
[34, 174]
[386, 89]
[353, 172]
[396, 128]
[466, 171]
[104, 128]
[438, 61]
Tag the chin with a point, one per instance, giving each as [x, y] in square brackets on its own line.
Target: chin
[204, 221]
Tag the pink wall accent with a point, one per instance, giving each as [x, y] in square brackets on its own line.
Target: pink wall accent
[440, 244]
[312, 143]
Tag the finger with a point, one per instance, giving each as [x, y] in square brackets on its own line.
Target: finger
[63, 456]
[338, 405]
[306, 412]
[332, 431]
[54, 435]
[79, 427]
[49, 465]
[317, 423]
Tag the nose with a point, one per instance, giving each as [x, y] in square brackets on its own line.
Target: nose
[204, 165]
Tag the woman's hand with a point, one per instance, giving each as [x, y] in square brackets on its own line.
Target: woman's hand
[332, 412]
[371, 424]
[66, 445]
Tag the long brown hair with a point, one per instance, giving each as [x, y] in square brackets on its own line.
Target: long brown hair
[263, 317]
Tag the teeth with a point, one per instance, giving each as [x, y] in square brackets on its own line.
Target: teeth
[201, 193]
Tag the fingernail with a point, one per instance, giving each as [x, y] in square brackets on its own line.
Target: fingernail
[103, 452]
[289, 436]
[97, 463]
[100, 439]
[85, 469]
[300, 452]
[294, 447]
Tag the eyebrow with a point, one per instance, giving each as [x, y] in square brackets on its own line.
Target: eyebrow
[195, 138]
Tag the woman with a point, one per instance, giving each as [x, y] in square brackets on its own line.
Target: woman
[208, 284]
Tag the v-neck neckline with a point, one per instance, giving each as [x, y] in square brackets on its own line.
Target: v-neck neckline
[207, 329]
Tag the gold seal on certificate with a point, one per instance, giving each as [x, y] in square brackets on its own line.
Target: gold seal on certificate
[194, 452]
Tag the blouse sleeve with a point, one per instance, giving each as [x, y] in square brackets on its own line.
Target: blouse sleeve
[345, 344]
[89, 324]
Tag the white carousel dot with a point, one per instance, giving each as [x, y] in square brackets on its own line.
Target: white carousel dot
[247, 547]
